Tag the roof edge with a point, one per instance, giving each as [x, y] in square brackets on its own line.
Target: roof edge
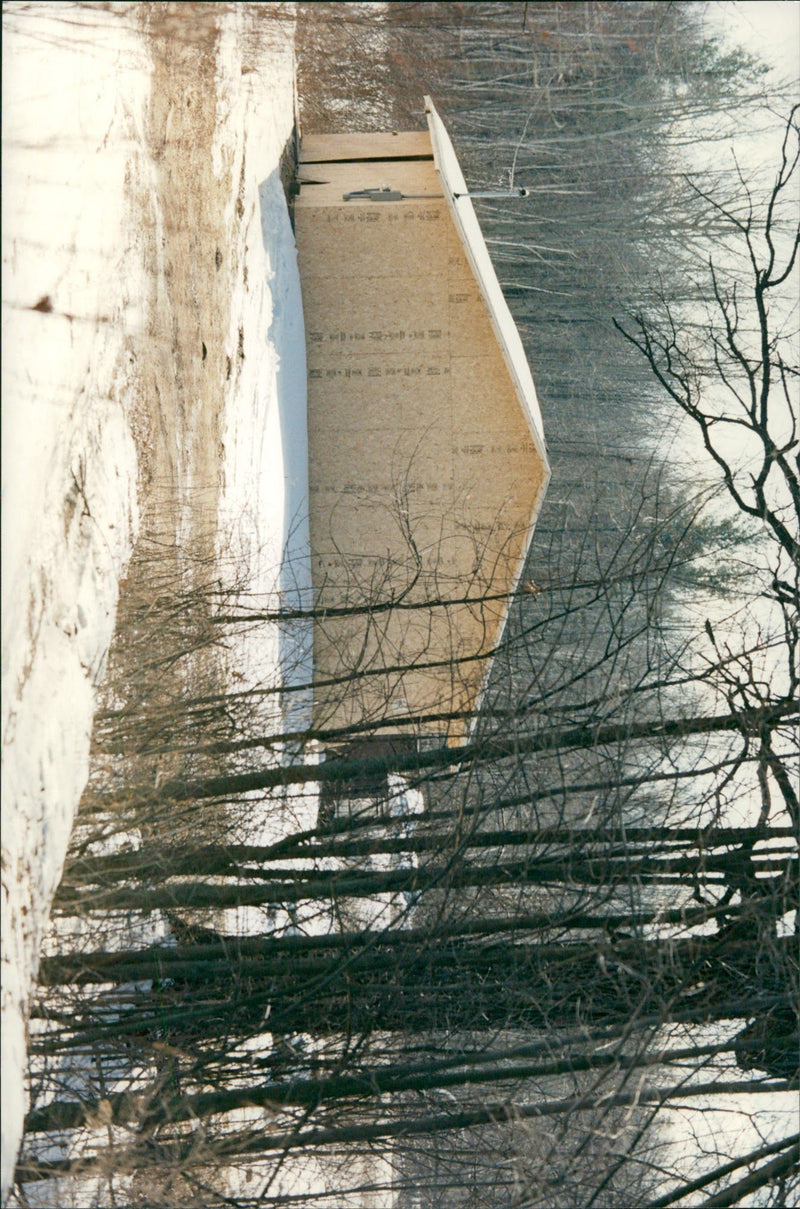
[466, 221]
[468, 227]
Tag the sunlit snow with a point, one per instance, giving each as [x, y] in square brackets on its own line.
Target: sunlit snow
[75, 282]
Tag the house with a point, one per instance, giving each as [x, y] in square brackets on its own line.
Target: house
[427, 460]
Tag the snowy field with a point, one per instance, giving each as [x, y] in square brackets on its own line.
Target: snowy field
[88, 291]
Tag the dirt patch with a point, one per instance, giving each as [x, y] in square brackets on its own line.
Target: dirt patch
[165, 652]
[182, 359]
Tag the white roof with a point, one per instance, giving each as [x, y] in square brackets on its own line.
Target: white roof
[455, 190]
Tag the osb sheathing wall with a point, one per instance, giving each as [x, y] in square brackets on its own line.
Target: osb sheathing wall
[422, 469]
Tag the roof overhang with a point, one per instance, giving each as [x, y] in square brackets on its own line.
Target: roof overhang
[466, 221]
[456, 192]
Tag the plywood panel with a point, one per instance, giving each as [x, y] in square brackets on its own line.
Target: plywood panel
[358, 240]
[422, 467]
[317, 148]
[391, 402]
[334, 180]
[388, 317]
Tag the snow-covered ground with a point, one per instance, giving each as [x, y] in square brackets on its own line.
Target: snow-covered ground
[80, 276]
[73, 97]
[263, 510]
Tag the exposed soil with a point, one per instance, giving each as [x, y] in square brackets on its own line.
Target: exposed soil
[181, 357]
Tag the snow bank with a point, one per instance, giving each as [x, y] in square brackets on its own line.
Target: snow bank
[263, 515]
[263, 521]
[74, 90]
